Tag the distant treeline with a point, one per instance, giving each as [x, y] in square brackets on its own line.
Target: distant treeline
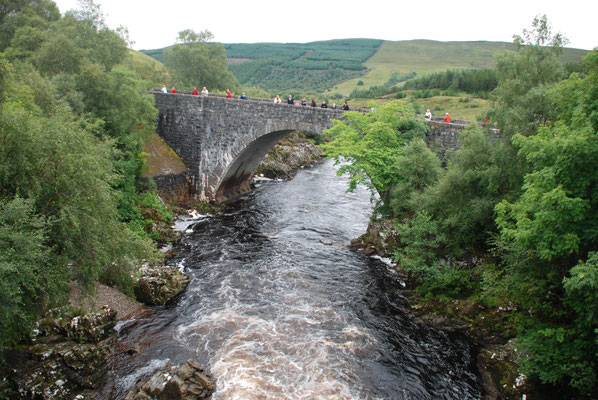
[470, 81]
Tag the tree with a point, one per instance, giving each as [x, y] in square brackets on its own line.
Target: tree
[478, 176]
[418, 169]
[15, 14]
[197, 62]
[371, 145]
[550, 229]
[521, 101]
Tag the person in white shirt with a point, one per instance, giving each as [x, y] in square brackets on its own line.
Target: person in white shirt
[428, 115]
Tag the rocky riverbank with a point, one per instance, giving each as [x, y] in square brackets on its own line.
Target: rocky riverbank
[68, 354]
[486, 328]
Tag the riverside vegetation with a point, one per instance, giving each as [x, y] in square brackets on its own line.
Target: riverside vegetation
[75, 114]
[507, 225]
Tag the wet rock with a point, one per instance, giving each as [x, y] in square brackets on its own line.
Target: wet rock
[500, 373]
[189, 381]
[67, 354]
[380, 238]
[285, 158]
[157, 285]
[91, 327]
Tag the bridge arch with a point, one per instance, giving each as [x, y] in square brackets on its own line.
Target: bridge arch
[221, 141]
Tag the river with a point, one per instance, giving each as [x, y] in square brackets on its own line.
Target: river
[279, 308]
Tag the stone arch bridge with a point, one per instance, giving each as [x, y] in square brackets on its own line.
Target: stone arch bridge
[221, 141]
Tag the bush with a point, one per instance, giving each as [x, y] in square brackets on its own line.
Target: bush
[28, 279]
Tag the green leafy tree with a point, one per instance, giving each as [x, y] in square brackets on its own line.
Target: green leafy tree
[15, 14]
[198, 62]
[524, 77]
[553, 224]
[418, 168]
[28, 280]
[369, 146]
[478, 176]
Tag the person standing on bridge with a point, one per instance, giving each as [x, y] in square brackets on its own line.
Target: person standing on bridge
[204, 92]
[428, 115]
[243, 96]
[313, 103]
[324, 105]
[164, 90]
[303, 102]
[447, 118]
[290, 100]
[346, 106]
[194, 92]
[277, 100]
[173, 90]
[229, 95]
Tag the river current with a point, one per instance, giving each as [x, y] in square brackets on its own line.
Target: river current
[279, 308]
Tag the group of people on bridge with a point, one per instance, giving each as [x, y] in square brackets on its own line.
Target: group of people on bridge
[204, 93]
[428, 117]
[312, 103]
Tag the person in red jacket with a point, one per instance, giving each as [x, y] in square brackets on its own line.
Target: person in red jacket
[229, 95]
[194, 92]
[173, 90]
[447, 118]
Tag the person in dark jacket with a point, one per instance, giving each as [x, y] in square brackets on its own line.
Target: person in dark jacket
[290, 100]
[313, 103]
[346, 106]
[324, 105]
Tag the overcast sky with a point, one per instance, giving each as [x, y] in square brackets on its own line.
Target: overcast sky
[156, 23]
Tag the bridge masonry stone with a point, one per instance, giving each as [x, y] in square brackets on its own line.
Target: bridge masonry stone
[221, 141]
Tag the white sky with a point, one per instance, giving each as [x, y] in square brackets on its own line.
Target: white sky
[156, 23]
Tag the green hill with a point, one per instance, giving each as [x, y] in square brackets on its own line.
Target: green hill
[339, 66]
[148, 68]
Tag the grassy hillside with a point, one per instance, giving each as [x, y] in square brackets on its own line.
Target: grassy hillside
[426, 56]
[148, 68]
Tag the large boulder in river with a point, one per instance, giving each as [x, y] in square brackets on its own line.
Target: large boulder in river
[157, 285]
[292, 153]
[189, 381]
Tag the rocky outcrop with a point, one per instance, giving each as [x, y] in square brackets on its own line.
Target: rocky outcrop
[288, 156]
[380, 238]
[66, 355]
[189, 381]
[158, 285]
